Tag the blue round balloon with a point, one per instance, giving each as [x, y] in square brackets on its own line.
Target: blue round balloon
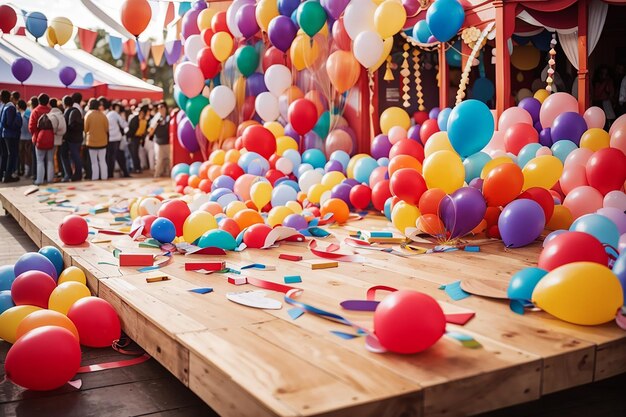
[7, 276]
[387, 208]
[383, 162]
[246, 158]
[363, 169]
[294, 156]
[528, 152]
[194, 168]
[283, 193]
[302, 169]
[226, 199]
[6, 302]
[217, 238]
[470, 127]
[453, 57]
[181, 168]
[442, 119]
[598, 226]
[36, 24]
[445, 18]
[163, 230]
[258, 167]
[341, 156]
[55, 256]
[33, 261]
[524, 282]
[184, 7]
[563, 148]
[474, 165]
[286, 181]
[421, 32]
[216, 194]
[287, 7]
[314, 157]
[619, 269]
[483, 89]
[223, 181]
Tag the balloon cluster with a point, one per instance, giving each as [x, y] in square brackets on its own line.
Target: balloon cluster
[47, 312]
[443, 20]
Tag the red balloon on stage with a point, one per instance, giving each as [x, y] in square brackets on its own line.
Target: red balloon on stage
[427, 129]
[32, 288]
[302, 115]
[571, 247]
[606, 170]
[420, 117]
[230, 226]
[407, 147]
[408, 185]
[209, 65]
[96, 321]
[542, 197]
[232, 170]
[360, 196]
[260, 140]
[177, 212]
[380, 194]
[218, 23]
[73, 230]
[518, 136]
[255, 235]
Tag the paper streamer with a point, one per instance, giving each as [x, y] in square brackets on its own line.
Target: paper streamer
[113, 365]
[331, 253]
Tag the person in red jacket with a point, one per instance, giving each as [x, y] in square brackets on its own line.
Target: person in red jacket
[42, 108]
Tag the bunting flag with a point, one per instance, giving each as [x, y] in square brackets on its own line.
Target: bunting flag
[87, 39]
[130, 47]
[115, 44]
[169, 14]
[157, 53]
[173, 50]
[143, 50]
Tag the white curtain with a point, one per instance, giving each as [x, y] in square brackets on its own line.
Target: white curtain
[596, 18]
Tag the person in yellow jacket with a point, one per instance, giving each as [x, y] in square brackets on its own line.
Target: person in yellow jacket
[97, 139]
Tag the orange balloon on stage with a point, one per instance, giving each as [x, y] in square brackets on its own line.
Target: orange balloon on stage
[136, 15]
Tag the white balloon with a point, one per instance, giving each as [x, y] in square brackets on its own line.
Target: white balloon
[309, 179]
[284, 165]
[231, 16]
[277, 79]
[266, 106]
[615, 199]
[368, 47]
[193, 45]
[359, 17]
[222, 101]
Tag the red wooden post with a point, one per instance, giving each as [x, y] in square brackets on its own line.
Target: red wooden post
[444, 82]
[503, 60]
[583, 71]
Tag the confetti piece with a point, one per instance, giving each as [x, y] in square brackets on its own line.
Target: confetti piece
[107, 263]
[324, 265]
[343, 335]
[148, 268]
[465, 340]
[472, 249]
[209, 266]
[157, 279]
[136, 259]
[289, 257]
[454, 291]
[259, 266]
[201, 290]
[294, 313]
[293, 279]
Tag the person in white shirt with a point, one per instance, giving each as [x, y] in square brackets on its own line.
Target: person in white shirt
[117, 127]
[59, 127]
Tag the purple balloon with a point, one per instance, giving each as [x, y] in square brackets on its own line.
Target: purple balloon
[532, 106]
[187, 136]
[199, 5]
[477, 183]
[568, 126]
[312, 141]
[414, 133]
[287, 7]
[538, 127]
[351, 182]
[462, 211]
[411, 7]
[21, 69]
[433, 113]
[289, 131]
[333, 166]
[334, 8]
[380, 147]
[342, 192]
[255, 85]
[67, 75]
[282, 31]
[223, 181]
[190, 23]
[34, 261]
[521, 222]
[295, 221]
[545, 137]
[616, 215]
[246, 20]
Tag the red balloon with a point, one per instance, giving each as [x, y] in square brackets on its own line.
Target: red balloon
[32, 288]
[255, 235]
[408, 185]
[146, 222]
[340, 35]
[8, 18]
[427, 129]
[248, 109]
[232, 170]
[260, 140]
[274, 175]
[230, 226]
[518, 136]
[420, 117]
[180, 189]
[360, 196]
[182, 179]
[209, 65]
[493, 232]
[542, 197]
[571, 247]
[274, 56]
[379, 174]
[380, 194]
[207, 35]
[407, 147]
[503, 184]
[219, 23]
[302, 115]
[606, 170]
[408, 322]
[43, 359]
[205, 185]
[136, 15]
[73, 230]
[177, 212]
[96, 320]
[492, 215]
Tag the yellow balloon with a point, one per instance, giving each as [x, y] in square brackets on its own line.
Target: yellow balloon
[239, 88]
[229, 129]
[324, 30]
[294, 206]
[541, 95]
[265, 11]
[315, 193]
[72, 273]
[210, 124]
[352, 163]
[66, 294]
[234, 207]
[595, 139]
[134, 207]
[285, 142]
[196, 224]
[444, 169]
[387, 45]
[543, 171]
[221, 46]
[261, 194]
[404, 215]
[389, 18]
[437, 142]
[217, 157]
[232, 155]
[494, 163]
[525, 57]
[60, 30]
[276, 128]
[11, 318]
[330, 179]
[204, 18]
[561, 219]
[277, 215]
[394, 116]
[304, 52]
[584, 293]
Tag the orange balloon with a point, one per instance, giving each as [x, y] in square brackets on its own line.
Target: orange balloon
[250, 204]
[212, 207]
[338, 208]
[561, 219]
[343, 70]
[403, 161]
[248, 217]
[214, 172]
[482, 226]
[42, 318]
[429, 201]
[431, 224]
[204, 169]
[291, 94]
[503, 184]
[136, 15]
[193, 181]
[244, 125]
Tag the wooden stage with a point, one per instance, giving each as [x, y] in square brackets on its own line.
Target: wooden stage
[244, 361]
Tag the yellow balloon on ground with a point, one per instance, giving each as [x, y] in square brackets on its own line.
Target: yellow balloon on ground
[265, 11]
[65, 295]
[315, 193]
[352, 163]
[404, 215]
[387, 45]
[294, 206]
[210, 124]
[394, 116]
[234, 207]
[285, 142]
[304, 52]
[437, 142]
[217, 157]
[444, 169]
[11, 318]
[330, 179]
[261, 194]
[595, 139]
[276, 128]
[543, 171]
[494, 163]
[196, 224]
[584, 293]
[232, 155]
[541, 95]
[72, 273]
[277, 215]
[561, 219]
[389, 18]
[60, 30]
[221, 46]
[205, 17]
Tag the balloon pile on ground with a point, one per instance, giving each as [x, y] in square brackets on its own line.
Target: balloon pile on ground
[47, 312]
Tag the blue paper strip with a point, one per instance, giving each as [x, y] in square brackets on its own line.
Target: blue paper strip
[294, 313]
[148, 268]
[201, 290]
[293, 279]
[345, 336]
[472, 249]
[455, 291]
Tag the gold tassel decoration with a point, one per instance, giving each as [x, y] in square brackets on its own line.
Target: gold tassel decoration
[388, 73]
[551, 64]
[418, 80]
[405, 72]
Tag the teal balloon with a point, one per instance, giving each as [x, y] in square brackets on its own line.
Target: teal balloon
[6, 302]
[322, 127]
[421, 32]
[483, 89]
[36, 24]
[470, 127]
[217, 238]
[55, 256]
[180, 98]
[527, 153]
[563, 148]
[7, 276]
[453, 57]
[474, 165]
[314, 157]
[524, 282]
[311, 17]
[247, 60]
[363, 169]
[387, 208]
[183, 8]
[194, 107]
[598, 226]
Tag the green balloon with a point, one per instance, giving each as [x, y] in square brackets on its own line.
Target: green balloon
[322, 127]
[247, 60]
[311, 17]
[194, 108]
[180, 98]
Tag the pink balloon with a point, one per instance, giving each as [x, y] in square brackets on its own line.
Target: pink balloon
[578, 156]
[396, 134]
[378, 174]
[189, 79]
[618, 139]
[338, 140]
[574, 176]
[622, 243]
[615, 199]
[242, 186]
[496, 153]
[544, 150]
[512, 116]
[496, 143]
[583, 200]
[618, 124]
[594, 117]
[554, 105]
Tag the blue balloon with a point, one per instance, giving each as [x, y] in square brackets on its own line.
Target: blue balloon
[283, 193]
[598, 226]
[363, 169]
[483, 89]
[217, 238]
[524, 282]
[294, 156]
[341, 156]
[619, 269]
[116, 47]
[246, 158]
[303, 168]
[6, 301]
[314, 157]
[445, 18]
[6, 277]
[226, 199]
[470, 126]
[421, 32]
[220, 192]
[552, 235]
[287, 7]
[258, 167]
[223, 181]
[453, 56]
[286, 181]
[194, 168]
[387, 208]
[184, 7]
[181, 168]
[88, 79]
[383, 162]
[163, 230]
[474, 165]
[55, 256]
[563, 148]
[33, 261]
[527, 153]
[36, 24]
[442, 119]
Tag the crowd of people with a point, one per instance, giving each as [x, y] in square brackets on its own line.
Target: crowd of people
[48, 140]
